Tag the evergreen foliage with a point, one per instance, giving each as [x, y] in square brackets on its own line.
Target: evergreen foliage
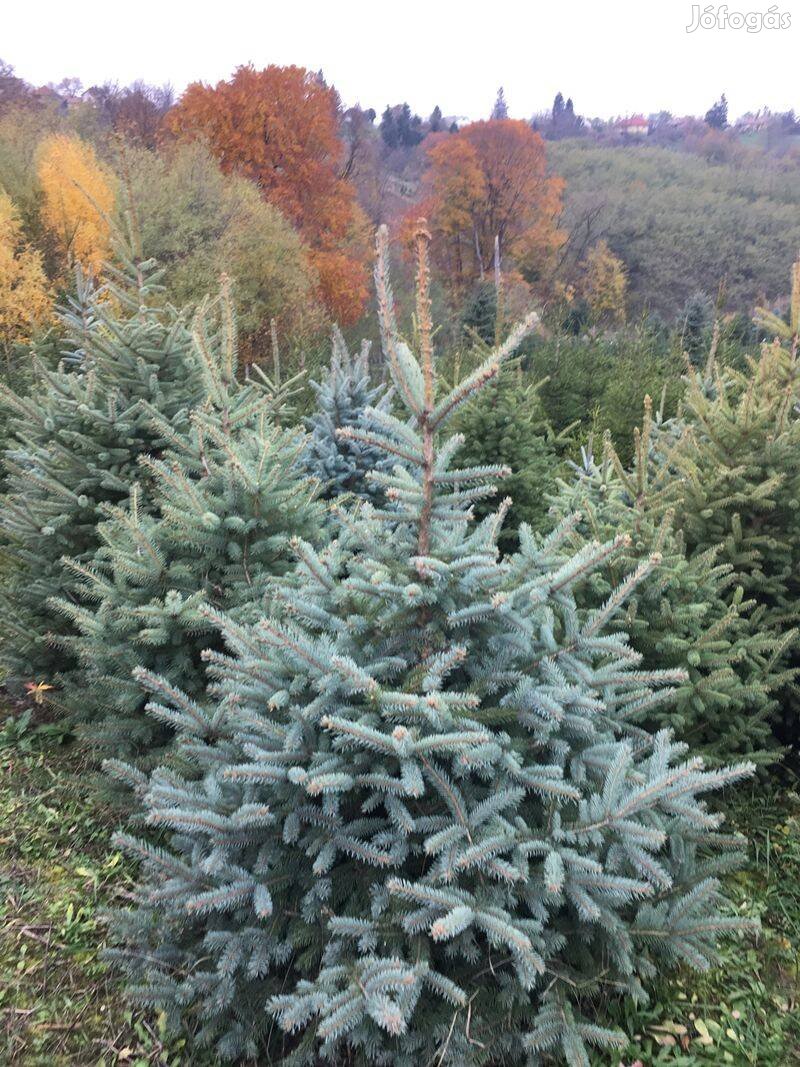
[507, 425]
[223, 501]
[338, 460]
[421, 826]
[734, 445]
[601, 383]
[695, 326]
[500, 107]
[689, 611]
[73, 442]
[480, 312]
[717, 114]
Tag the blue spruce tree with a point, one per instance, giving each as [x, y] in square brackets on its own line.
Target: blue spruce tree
[73, 443]
[339, 461]
[421, 825]
[223, 501]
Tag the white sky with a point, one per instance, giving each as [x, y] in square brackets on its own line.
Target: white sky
[612, 56]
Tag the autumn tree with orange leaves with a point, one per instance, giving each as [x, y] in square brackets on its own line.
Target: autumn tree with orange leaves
[279, 127]
[490, 182]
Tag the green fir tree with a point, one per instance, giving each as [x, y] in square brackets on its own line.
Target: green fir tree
[695, 326]
[690, 611]
[480, 313]
[734, 447]
[717, 114]
[421, 826]
[507, 425]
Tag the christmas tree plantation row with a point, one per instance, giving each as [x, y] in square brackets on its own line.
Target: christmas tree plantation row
[413, 781]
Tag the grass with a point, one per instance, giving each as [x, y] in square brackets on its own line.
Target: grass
[58, 1003]
[747, 1009]
[60, 1007]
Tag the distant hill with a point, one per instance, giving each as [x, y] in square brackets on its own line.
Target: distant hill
[685, 222]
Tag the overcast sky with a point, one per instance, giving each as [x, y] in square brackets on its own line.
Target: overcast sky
[612, 56]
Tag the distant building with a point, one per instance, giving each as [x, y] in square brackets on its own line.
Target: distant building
[45, 94]
[633, 126]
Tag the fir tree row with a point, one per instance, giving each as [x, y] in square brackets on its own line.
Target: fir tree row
[419, 781]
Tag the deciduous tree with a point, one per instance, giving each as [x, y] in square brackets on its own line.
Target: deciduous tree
[25, 302]
[199, 223]
[490, 181]
[279, 127]
[605, 284]
[77, 200]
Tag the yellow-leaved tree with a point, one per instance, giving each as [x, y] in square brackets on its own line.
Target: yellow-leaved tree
[25, 298]
[605, 284]
[77, 201]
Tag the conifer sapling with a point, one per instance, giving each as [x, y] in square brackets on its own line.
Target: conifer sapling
[420, 827]
[690, 611]
[223, 501]
[73, 443]
[341, 462]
